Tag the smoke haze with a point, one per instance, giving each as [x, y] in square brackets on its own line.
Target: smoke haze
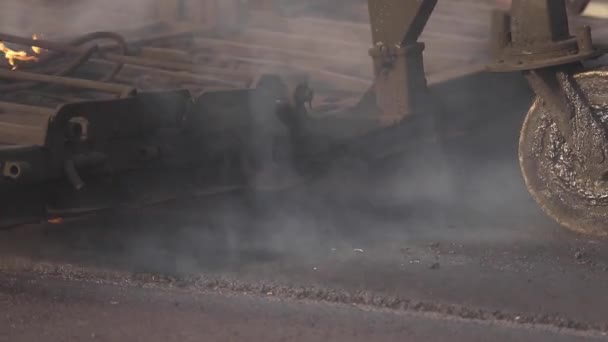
[73, 17]
[415, 198]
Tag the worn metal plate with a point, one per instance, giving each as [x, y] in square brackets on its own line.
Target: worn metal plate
[129, 122]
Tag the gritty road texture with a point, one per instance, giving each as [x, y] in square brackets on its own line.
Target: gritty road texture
[56, 310]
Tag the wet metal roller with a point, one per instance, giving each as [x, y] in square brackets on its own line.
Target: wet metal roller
[564, 139]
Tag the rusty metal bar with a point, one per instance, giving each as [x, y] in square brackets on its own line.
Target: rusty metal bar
[23, 124]
[500, 31]
[399, 22]
[536, 39]
[178, 33]
[42, 43]
[419, 21]
[549, 22]
[118, 89]
[17, 107]
[150, 62]
[141, 62]
[256, 50]
[56, 97]
[538, 36]
[179, 75]
[397, 55]
[22, 134]
[545, 85]
[343, 81]
[165, 54]
[177, 66]
[72, 49]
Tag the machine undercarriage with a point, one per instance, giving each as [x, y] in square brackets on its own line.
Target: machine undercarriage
[143, 117]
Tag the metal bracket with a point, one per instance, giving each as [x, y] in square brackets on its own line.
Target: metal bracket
[536, 39]
[537, 35]
[397, 54]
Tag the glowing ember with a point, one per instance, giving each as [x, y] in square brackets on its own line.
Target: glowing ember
[55, 220]
[36, 49]
[13, 56]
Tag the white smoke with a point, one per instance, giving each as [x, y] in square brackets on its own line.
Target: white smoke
[73, 17]
[334, 53]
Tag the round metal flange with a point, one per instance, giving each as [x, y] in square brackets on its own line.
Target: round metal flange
[570, 188]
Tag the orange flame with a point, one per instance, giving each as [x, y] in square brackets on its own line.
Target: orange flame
[36, 49]
[55, 220]
[13, 56]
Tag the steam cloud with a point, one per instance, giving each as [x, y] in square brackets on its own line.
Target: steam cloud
[341, 210]
[57, 17]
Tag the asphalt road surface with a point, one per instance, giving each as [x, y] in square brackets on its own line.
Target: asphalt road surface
[413, 253]
[52, 310]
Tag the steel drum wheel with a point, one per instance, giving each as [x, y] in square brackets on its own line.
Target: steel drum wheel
[553, 173]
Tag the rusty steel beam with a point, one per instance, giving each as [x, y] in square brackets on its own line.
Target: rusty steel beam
[183, 71]
[24, 124]
[175, 66]
[537, 35]
[171, 34]
[23, 108]
[165, 54]
[399, 22]
[536, 40]
[118, 89]
[42, 43]
[179, 68]
[54, 96]
[254, 49]
[200, 79]
[397, 54]
[113, 57]
[345, 82]
[539, 21]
